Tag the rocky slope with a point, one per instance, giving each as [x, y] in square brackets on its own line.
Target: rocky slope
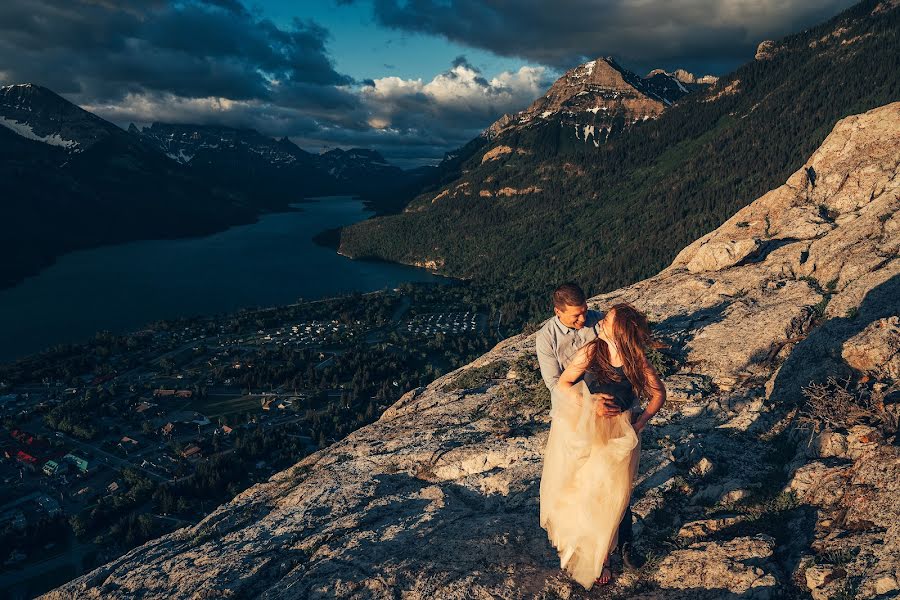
[439, 498]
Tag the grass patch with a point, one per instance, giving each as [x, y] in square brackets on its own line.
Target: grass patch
[838, 558]
[528, 386]
[478, 376]
[664, 364]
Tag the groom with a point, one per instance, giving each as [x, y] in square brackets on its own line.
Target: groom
[573, 326]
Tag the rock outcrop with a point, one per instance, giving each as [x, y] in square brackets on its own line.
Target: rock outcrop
[766, 50]
[876, 349]
[439, 497]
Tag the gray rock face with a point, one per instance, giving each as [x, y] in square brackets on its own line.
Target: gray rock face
[718, 255]
[439, 497]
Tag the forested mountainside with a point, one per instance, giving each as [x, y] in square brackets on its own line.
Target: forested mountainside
[599, 98]
[772, 472]
[537, 205]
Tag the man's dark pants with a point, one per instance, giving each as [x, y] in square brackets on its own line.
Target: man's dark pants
[625, 533]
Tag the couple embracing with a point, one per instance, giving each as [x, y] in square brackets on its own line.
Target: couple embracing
[597, 371]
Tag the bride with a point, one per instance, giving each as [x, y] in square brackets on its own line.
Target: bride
[590, 460]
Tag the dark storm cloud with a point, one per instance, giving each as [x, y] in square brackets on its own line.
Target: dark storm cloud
[101, 50]
[696, 33]
[216, 62]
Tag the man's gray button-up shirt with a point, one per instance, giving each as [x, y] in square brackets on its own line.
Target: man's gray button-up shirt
[556, 344]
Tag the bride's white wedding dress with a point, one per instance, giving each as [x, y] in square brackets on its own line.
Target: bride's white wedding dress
[589, 465]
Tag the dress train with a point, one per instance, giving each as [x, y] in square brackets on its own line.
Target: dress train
[589, 465]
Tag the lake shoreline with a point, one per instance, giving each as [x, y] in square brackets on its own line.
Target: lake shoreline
[273, 261]
[37, 269]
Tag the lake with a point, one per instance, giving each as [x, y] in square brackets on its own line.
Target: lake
[123, 287]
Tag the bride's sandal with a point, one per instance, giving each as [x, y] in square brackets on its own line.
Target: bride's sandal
[605, 576]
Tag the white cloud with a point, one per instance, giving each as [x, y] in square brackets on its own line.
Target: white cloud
[461, 93]
[408, 120]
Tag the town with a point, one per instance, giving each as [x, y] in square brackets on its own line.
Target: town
[127, 437]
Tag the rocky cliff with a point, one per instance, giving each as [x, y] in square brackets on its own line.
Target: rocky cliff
[439, 497]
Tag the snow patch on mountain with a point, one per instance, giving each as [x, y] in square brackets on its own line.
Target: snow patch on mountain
[25, 130]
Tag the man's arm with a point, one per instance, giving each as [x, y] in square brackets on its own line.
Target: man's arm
[550, 367]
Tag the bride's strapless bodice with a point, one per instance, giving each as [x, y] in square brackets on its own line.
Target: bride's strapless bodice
[621, 390]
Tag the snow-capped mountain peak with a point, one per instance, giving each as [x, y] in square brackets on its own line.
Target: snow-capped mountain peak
[599, 96]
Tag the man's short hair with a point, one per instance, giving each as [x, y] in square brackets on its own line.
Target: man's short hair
[568, 294]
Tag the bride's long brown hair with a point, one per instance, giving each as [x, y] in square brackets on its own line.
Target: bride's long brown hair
[631, 333]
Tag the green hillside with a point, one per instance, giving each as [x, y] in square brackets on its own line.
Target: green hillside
[611, 215]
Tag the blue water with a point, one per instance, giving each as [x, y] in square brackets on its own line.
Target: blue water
[123, 287]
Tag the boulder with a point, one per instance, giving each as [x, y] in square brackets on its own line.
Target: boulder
[736, 566]
[876, 349]
[718, 255]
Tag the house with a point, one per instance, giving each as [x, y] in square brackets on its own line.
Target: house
[51, 468]
[80, 463]
[184, 393]
[191, 452]
[168, 428]
[226, 429]
[128, 440]
[27, 460]
[143, 406]
[113, 487]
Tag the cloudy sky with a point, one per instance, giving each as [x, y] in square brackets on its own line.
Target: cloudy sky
[410, 78]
